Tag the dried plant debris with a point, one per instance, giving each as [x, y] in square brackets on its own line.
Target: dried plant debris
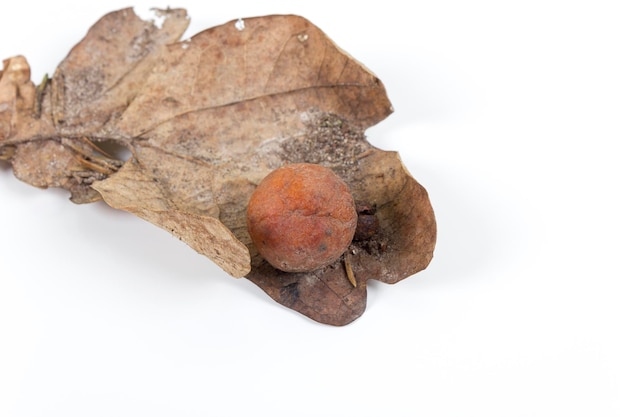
[205, 120]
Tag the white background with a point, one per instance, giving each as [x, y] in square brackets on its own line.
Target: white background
[511, 114]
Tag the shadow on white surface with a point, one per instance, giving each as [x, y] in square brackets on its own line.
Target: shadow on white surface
[478, 230]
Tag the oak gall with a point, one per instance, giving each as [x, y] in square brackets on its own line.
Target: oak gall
[301, 217]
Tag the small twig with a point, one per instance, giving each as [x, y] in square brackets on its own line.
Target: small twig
[97, 148]
[100, 168]
[348, 265]
[100, 165]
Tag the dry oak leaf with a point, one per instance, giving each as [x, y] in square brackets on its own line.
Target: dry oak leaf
[205, 120]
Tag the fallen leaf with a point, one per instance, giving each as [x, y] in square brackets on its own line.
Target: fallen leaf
[205, 120]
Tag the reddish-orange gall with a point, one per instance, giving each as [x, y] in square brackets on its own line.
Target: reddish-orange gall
[301, 217]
